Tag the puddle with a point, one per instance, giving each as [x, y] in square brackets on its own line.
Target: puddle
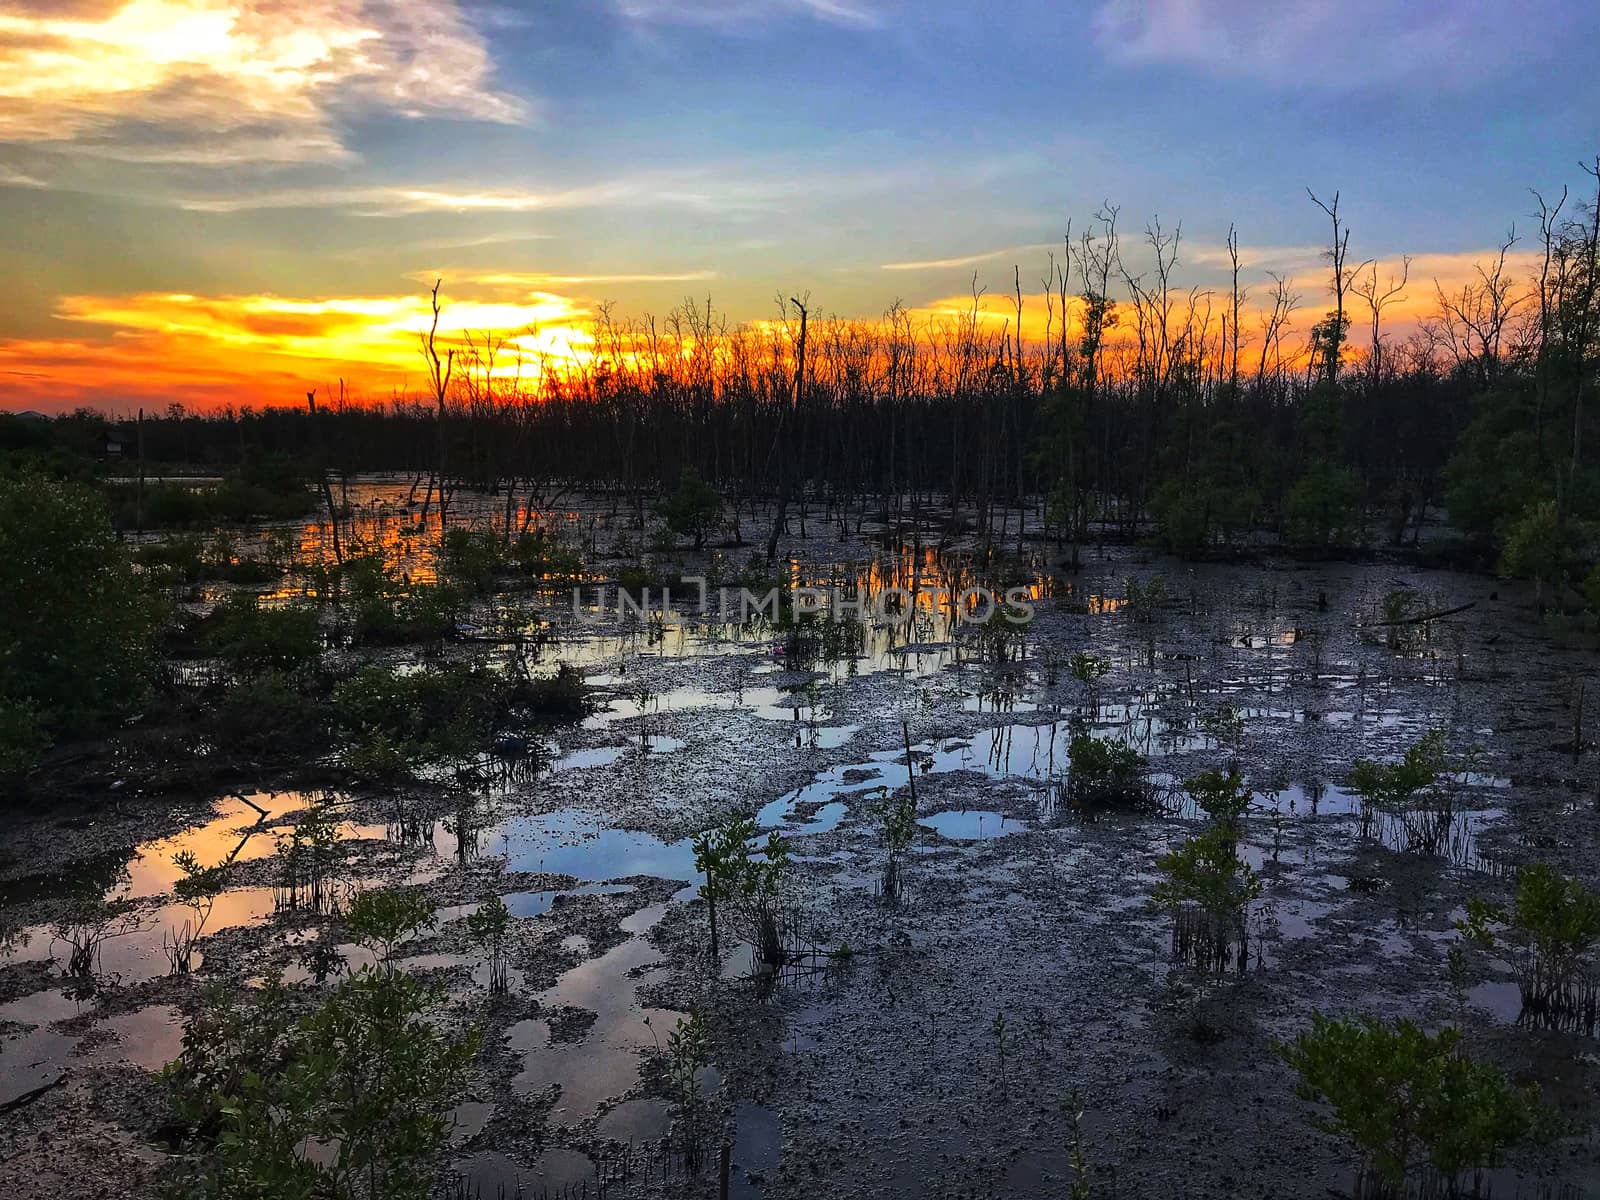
[643, 1119]
[469, 1119]
[569, 842]
[605, 1063]
[149, 1038]
[757, 1143]
[968, 825]
[533, 904]
[32, 1060]
[492, 1175]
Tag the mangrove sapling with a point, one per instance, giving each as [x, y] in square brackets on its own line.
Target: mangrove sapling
[1104, 773]
[897, 820]
[1396, 607]
[1145, 598]
[688, 1053]
[1551, 929]
[763, 877]
[722, 855]
[1208, 891]
[1088, 669]
[1077, 1157]
[309, 861]
[1224, 725]
[1456, 972]
[197, 891]
[381, 918]
[1222, 796]
[1413, 1104]
[488, 927]
[1392, 785]
[364, 1075]
[87, 927]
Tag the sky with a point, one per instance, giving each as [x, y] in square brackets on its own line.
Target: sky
[209, 202]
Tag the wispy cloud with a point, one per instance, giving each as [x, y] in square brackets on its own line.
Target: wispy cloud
[221, 82]
[744, 14]
[967, 260]
[673, 191]
[11, 177]
[1301, 42]
[535, 281]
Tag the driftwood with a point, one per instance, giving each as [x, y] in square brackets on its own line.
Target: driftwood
[1432, 616]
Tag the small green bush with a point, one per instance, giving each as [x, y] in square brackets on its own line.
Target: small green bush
[363, 1075]
[1394, 784]
[1104, 773]
[692, 510]
[251, 638]
[1410, 1101]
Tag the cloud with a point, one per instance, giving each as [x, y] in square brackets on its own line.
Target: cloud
[743, 188]
[221, 82]
[969, 260]
[10, 177]
[744, 14]
[516, 280]
[1300, 42]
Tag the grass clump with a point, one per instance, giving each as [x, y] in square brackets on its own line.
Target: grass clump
[1413, 1104]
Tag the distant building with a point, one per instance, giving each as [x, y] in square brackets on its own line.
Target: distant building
[111, 446]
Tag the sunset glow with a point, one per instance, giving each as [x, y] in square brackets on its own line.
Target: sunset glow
[220, 202]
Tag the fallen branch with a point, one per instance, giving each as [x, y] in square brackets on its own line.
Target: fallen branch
[29, 1097]
[1432, 616]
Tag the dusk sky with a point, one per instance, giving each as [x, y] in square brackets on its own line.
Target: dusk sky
[209, 201]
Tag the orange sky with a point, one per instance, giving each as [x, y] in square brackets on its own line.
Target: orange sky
[155, 348]
[235, 201]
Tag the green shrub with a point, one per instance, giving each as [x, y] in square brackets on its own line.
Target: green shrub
[1394, 784]
[251, 639]
[23, 740]
[1553, 927]
[692, 510]
[1542, 547]
[77, 623]
[389, 610]
[563, 696]
[394, 720]
[1104, 773]
[472, 558]
[1323, 508]
[363, 1076]
[381, 918]
[266, 713]
[1410, 1101]
[1222, 796]
[1088, 669]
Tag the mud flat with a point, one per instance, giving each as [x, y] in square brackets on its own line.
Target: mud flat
[872, 1066]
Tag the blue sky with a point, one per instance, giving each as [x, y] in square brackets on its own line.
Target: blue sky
[643, 150]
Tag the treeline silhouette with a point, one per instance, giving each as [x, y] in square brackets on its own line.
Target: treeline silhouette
[1130, 401]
